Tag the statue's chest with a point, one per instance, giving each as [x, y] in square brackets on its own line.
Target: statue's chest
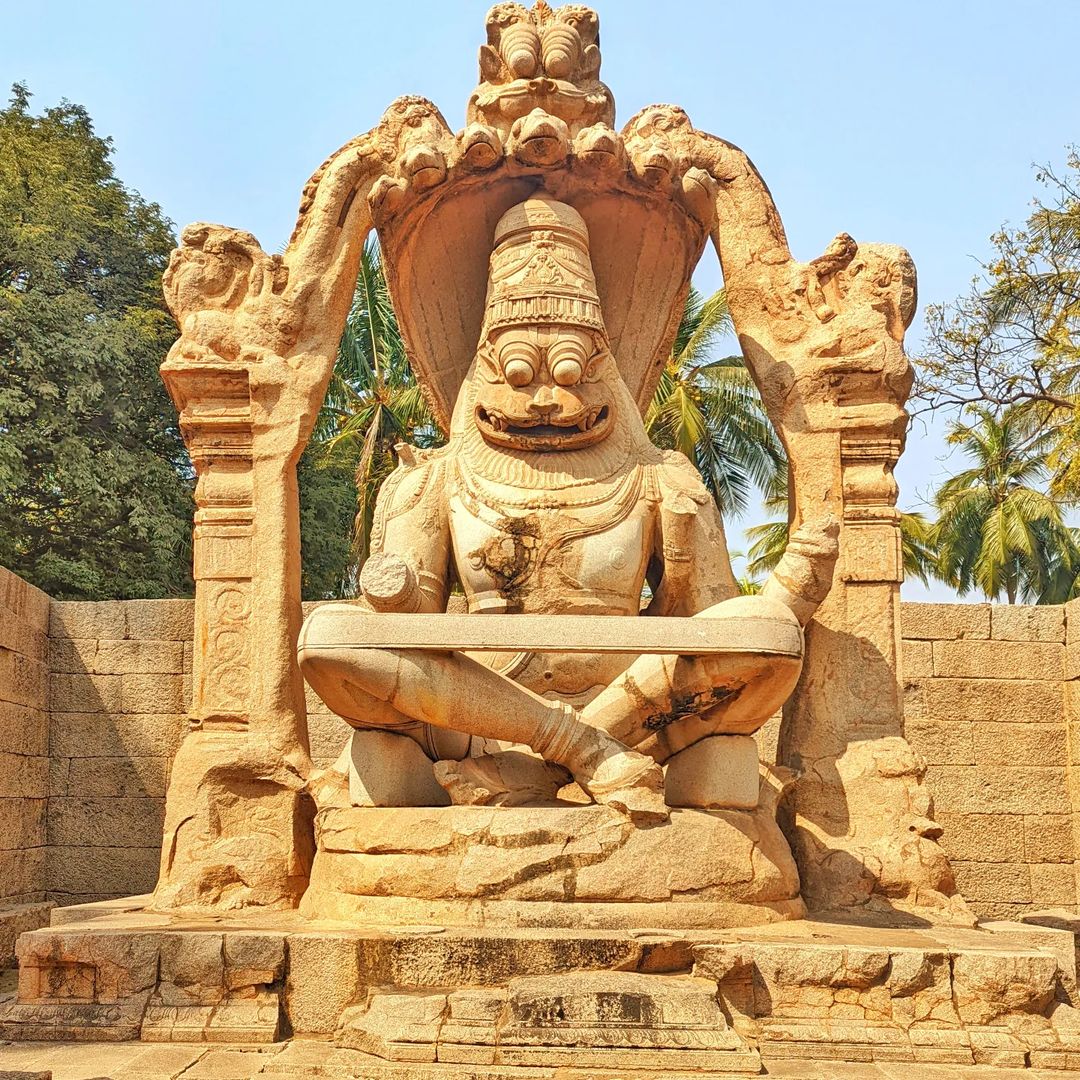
[546, 560]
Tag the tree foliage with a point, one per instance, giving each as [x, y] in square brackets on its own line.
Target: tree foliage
[998, 531]
[1013, 342]
[94, 481]
[768, 541]
[710, 410]
[372, 404]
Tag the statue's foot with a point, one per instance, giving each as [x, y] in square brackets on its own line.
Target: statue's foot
[626, 780]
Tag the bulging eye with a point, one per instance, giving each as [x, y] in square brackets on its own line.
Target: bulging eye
[566, 372]
[520, 46]
[518, 372]
[567, 362]
[519, 363]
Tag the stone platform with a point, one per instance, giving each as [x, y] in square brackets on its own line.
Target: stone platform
[551, 866]
[548, 1003]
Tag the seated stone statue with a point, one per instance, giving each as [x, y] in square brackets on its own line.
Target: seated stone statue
[550, 499]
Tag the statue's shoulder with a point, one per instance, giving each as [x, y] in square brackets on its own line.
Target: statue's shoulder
[679, 483]
[417, 471]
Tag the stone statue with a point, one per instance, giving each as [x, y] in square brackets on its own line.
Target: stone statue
[549, 499]
[539, 261]
[549, 845]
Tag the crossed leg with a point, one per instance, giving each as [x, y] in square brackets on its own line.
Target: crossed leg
[661, 703]
[392, 688]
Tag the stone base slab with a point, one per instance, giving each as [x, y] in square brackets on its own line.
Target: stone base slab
[422, 1001]
[550, 866]
[17, 920]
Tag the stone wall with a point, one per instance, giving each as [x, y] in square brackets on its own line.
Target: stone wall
[24, 739]
[93, 699]
[985, 705]
[120, 686]
[120, 690]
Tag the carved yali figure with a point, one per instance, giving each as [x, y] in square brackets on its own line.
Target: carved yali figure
[550, 500]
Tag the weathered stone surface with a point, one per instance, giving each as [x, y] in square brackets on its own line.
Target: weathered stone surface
[994, 699]
[998, 789]
[983, 837]
[18, 919]
[718, 772]
[998, 659]
[530, 861]
[1027, 622]
[939, 622]
[1037, 745]
[391, 770]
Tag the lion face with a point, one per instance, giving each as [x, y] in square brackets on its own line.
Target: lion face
[544, 388]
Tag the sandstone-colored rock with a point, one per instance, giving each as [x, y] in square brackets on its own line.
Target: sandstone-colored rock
[529, 862]
[1019, 744]
[1054, 883]
[153, 693]
[25, 679]
[938, 622]
[88, 619]
[113, 735]
[17, 919]
[323, 979]
[1049, 838]
[717, 773]
[998, 659]
[159, 620]
[917, 659]
[24, 730]
[138, 657]
[391, 770]
[984, 837]
[998, 789]
[1027, 622]
[507, 778]
[85, 693]
[23, 823]
[942, 742]
[990, 881]
[990, 985]
[102, 822]
[23, 777]
[994, 699]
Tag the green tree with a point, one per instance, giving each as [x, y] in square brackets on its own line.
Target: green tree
[1013, 342]
[998, 530]
[710, 409]
[95, 485]
[372, 404]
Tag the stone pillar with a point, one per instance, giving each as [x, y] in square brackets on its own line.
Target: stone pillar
[258, 337]
[237, 819]
[859, 817]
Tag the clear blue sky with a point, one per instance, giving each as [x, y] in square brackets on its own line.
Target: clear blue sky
[913, 123]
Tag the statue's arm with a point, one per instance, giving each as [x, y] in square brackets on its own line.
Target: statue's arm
[689, 544]
[410, 544]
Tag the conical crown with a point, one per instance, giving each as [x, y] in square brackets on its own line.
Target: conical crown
[540, 270]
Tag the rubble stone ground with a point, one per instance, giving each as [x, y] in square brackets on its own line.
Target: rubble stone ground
[301, 1059]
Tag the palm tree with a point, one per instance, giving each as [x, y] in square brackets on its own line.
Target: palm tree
[998, 530]
[373, 401]
[710, 409]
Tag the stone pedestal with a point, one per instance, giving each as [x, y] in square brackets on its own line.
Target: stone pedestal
[720, 772]
[556, 1004]
[558, 866]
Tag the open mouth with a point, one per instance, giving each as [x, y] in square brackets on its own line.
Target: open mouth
[516, 431]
